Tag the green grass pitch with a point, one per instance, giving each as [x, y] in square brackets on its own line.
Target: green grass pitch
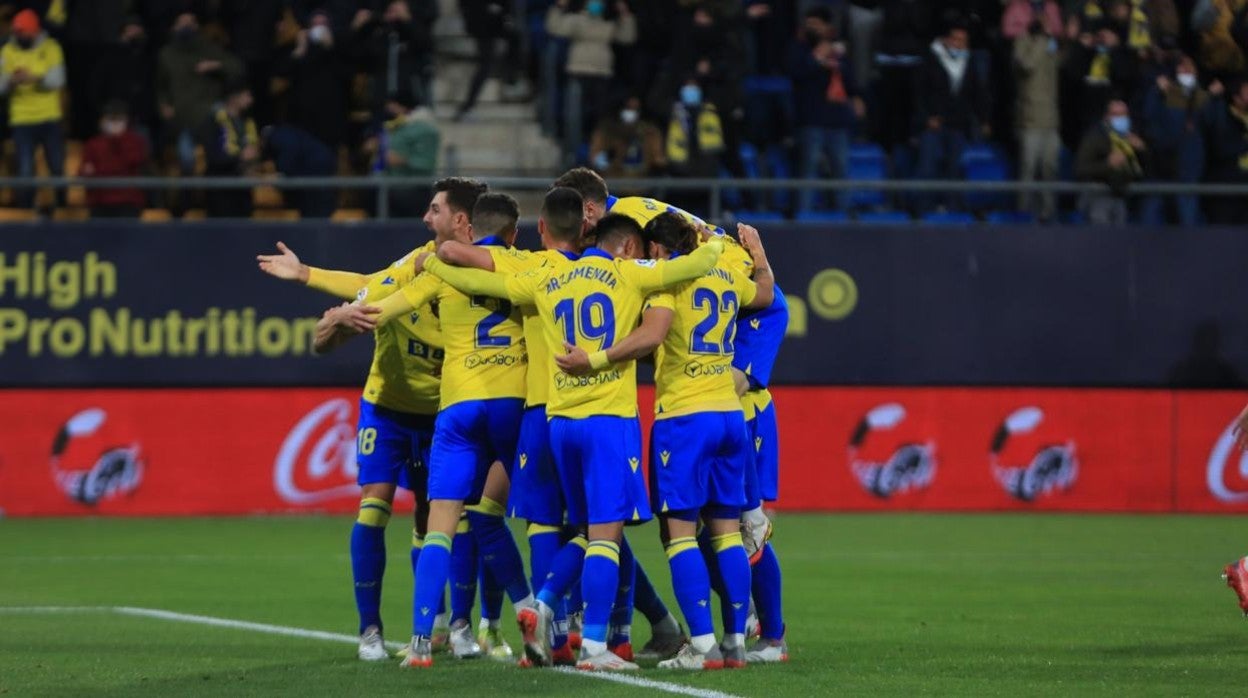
[877, 605]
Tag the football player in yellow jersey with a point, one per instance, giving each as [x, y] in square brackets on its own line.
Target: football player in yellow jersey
[698, 444]
[758, 339]
[395, 425]
[594, 429]
[483, 388]
[535, 493]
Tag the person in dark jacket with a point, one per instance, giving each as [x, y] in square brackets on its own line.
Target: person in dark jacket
[1111, 153]
[1177, 115]
[488, 22]
[952, 106]
[907, 29]
[92, 31]
[320, 81]
[191, 74]
[826, 102]
[1228, 152]
[232, 149]
[397, 47]
[297, 153]
[1096, 67]
[116, 152]
[252, 25]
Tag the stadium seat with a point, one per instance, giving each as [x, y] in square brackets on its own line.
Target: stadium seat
[266, 197]
[867, 161]
[752, 217]
[822, 217]
[948, 218]
[884, 217]
[1009, 217]
[983, 163]
[778, 167]
[275, 214]
[18, 215]
[72, 213]
[155, 215]
[349, 215]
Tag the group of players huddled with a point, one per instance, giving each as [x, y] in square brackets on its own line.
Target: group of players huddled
[503, 383]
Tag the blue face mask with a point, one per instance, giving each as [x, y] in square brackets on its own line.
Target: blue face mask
[596, 8]
[691, 95]
[1120, 124]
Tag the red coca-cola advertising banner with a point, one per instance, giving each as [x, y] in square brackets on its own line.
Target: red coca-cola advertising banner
[246, 451]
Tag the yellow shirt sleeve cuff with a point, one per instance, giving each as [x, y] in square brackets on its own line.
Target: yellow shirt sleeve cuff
[598, 360]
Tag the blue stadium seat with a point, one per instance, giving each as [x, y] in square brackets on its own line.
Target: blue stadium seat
[1010, 217]
[948, 218]
[731, 196]
[893, 217]
[867, 161]
[984, 163]
[778, 167]
[822, 217]
[752, 217]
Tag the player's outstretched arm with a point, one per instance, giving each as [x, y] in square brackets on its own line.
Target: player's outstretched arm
[288, 267]
[462, 254]
[473, 282]
[667, 273]
[764, 279]
[341, 323]
[641, 342]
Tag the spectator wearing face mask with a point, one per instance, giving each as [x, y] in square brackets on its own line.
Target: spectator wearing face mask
[952, 106]
[1111, 153]
[1097, 66]
[623, 145]
[320, 82]
[591, 62]
[827, 104]
[32, 73]
[232, 149]
[1228, 149]
[1036, 66]
[1021, 14]
[190, 78]
[695, 141]
[397, 48]
[1177, 114]
[116, 152]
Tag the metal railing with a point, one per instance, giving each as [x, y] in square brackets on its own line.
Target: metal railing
[382, 186]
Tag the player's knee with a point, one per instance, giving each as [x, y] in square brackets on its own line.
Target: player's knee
[373, 512]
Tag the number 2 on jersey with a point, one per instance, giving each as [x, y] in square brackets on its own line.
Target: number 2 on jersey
[489, 322]
[595, 319]
[717, 308]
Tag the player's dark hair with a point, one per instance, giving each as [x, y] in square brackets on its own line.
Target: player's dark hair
[495, 213]
[590, 185]
[461, 193]
[614, 228]
[672, 231]
[563, 210]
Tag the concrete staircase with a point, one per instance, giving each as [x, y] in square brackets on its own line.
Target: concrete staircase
[497, 138]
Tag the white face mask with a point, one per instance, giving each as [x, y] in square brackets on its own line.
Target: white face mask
[319, 34]
[629, 116]
[1187, 80]
[113, 127]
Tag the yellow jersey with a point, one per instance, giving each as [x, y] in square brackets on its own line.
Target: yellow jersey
[693, 365]
[541, 365]
[482, 335]
[643, 210]
[406, 374]
[590, 303]
[38, 102]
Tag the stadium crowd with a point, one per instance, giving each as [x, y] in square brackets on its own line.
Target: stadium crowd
[1113, 91]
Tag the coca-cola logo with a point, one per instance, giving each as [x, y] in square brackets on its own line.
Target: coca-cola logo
[1220, 469]
[316, 462]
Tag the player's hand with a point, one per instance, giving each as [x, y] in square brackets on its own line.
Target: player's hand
[1163, 83]
[752, 243]
[1241, 430]
[354, 318]
[1117, 159]
[420, 261]
[208, 66]
[575, 362]
[285, 266]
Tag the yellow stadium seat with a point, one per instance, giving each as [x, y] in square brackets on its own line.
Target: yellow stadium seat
[155, 215]
[349, 215]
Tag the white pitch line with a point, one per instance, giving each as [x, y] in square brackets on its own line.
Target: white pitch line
[627, 679]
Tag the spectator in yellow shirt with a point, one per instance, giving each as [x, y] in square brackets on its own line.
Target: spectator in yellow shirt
[32, 73]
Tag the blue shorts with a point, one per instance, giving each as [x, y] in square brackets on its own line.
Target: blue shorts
[392, 447]
[762, 484]
[467, 438]
[599, 463]
[759, 336]
[698, 460]
[536, 494]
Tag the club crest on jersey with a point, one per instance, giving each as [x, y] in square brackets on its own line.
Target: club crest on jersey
[645, 262]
